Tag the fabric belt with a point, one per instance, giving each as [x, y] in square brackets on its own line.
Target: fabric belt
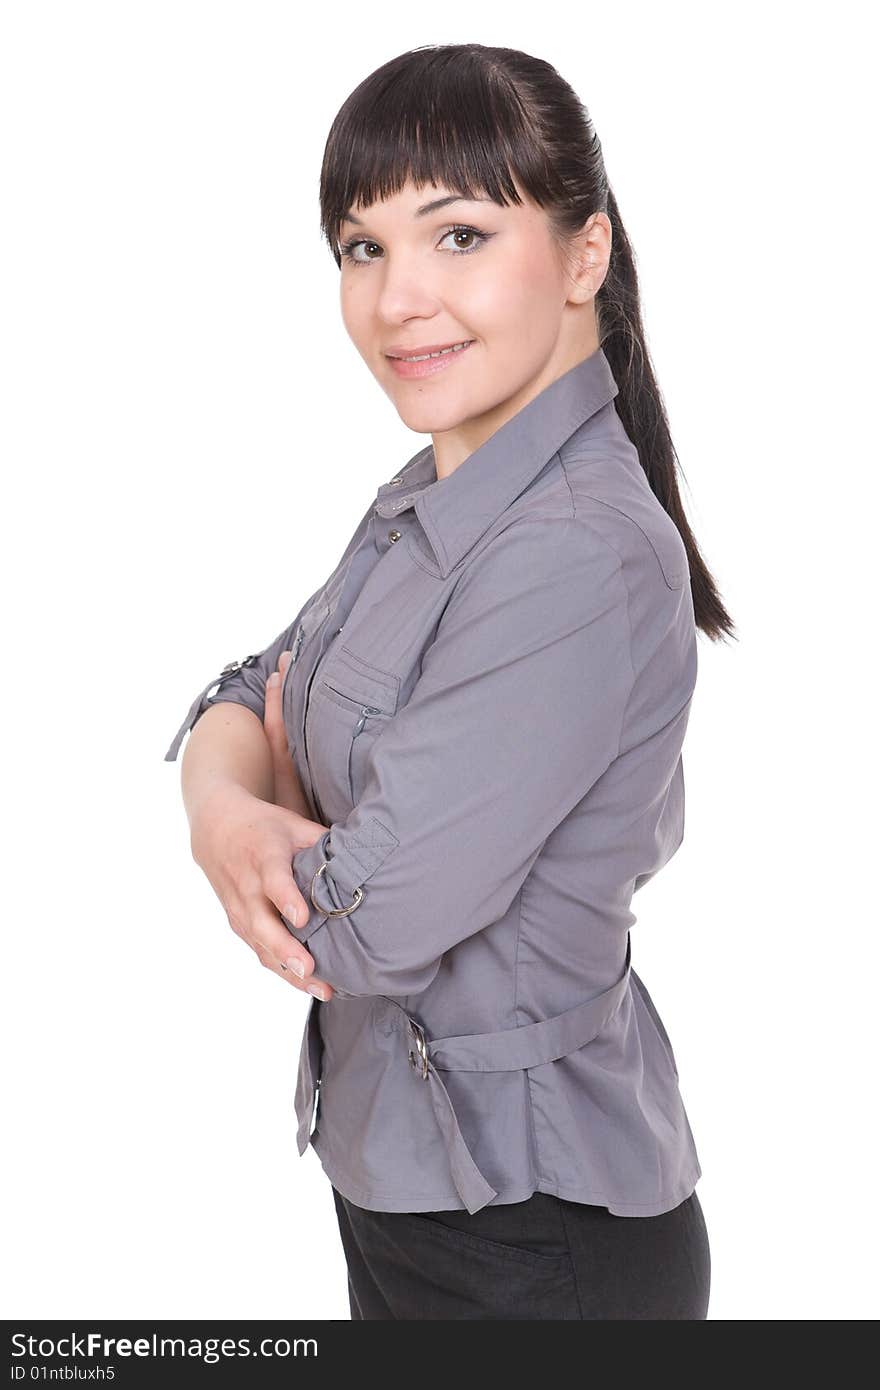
[513, 1049]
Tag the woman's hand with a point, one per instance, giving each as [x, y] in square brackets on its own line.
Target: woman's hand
[288, 790]
[245, 846]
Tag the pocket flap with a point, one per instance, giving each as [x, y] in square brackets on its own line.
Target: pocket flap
[357, 680]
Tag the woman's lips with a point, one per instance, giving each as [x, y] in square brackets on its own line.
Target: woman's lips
[430, 367]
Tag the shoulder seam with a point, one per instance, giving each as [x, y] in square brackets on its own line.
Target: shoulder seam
[676, 581]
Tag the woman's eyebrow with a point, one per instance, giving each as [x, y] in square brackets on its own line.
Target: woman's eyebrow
[426, 207]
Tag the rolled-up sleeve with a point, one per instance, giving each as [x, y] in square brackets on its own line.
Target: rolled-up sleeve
[518, 710]
[243, 682]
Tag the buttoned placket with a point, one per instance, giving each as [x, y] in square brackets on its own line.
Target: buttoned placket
[351, 588]
[393, 509]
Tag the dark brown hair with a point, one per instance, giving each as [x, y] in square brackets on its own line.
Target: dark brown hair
[474, 119]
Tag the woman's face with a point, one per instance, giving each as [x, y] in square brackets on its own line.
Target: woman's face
[411, 282]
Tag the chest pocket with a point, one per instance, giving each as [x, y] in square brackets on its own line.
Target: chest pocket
[350, 704]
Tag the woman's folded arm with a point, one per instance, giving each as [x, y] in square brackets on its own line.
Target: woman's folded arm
[518, 710]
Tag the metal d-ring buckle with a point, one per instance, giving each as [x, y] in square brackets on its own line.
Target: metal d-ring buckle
[336, 911]
[420, 1056]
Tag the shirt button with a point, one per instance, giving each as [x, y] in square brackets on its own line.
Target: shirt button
[394, 536]
[338, 630]
[395, 481]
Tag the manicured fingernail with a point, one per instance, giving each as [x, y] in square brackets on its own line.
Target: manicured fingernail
[290, 914]
[296, 966]
[316, 991]
[274, 678]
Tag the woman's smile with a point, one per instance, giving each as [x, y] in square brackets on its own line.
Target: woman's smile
[419, 365]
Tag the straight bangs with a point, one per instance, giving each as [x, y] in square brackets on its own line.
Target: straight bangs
[434, 118]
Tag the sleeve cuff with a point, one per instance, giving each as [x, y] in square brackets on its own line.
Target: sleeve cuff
[352, 856]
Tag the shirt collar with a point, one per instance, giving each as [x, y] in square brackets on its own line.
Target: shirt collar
[455, 512]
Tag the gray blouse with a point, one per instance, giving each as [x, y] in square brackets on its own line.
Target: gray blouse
[486, 706]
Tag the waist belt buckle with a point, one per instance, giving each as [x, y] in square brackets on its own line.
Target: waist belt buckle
[418, 1060]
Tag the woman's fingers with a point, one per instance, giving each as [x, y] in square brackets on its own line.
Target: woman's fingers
[286, 970]
[279, 952]
[275, 945]
[245, 844]
[273, 723]
[281, 888]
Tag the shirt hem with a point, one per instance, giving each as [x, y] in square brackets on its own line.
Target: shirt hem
[372, 1200]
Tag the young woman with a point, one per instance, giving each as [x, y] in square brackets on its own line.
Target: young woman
[430, 799]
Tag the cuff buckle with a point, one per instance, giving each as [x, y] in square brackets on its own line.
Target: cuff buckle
[337, 911]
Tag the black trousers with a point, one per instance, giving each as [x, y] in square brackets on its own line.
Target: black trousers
[545, 1258]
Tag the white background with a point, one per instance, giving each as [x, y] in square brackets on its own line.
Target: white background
[188, 440]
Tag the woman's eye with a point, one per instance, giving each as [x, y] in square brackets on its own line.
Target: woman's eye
[350, 250]
[459, 232]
